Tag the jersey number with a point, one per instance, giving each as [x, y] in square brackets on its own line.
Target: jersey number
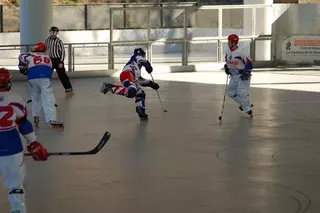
[8, 113]
[38, 59]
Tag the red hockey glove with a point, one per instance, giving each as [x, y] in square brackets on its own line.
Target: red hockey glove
[39, 153]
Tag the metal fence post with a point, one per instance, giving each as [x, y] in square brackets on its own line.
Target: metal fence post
[149, 48]
[70, 58]
[1, 21]
[86, 17]
[220, 35]
[73, 60]
[253, 21]
[220, 51]
[110, 46]
[185, 37]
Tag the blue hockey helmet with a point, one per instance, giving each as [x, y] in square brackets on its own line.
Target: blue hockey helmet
[139, 51]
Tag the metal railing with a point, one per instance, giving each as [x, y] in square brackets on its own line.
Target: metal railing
[185, 41]
[209, 48]
[103, 62]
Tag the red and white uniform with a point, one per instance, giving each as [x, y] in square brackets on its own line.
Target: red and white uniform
[237, 60]
[238, 89]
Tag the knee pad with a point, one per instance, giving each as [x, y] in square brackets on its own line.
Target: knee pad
[16, 191]
[231, 94]
[141, 95]
[132, 92]
[127, 83]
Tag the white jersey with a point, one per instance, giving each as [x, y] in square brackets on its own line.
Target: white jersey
[39, 65]
[134, 65]
[12, 108]
[237, 60]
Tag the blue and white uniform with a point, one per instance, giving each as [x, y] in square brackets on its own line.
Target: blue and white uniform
[135, 64]
[39, 74]
[131, 80]
[13, 122]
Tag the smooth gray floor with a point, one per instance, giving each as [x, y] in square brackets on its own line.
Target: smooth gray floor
[181, 161]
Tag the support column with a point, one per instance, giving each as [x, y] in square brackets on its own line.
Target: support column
[35, 20]
[263, 26]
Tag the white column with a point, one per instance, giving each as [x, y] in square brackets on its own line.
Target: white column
[263, 25]
[35, 20]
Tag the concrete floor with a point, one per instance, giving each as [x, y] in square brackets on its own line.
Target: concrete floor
[182, 161]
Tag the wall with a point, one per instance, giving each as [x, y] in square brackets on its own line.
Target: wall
[299, 19]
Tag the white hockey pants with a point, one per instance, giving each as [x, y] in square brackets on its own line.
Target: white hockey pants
[239, 91]
[12, 172]
[41, 89]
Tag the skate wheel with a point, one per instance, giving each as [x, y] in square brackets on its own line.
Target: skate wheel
[143, 120]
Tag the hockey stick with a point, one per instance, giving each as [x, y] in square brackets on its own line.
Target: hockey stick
[224, 99]
[56, 105]
[94, 151]
[164, 110]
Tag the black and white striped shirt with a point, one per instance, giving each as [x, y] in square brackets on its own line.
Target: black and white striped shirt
[55, 48]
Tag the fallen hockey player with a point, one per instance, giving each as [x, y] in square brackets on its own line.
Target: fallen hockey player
[131, 82]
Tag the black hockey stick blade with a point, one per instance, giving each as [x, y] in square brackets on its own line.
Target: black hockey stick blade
[30, 101]
[94, 151]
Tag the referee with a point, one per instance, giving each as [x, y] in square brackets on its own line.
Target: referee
[56, 52]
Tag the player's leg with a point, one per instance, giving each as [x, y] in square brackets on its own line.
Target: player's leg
[64, 79]
[12, 170]
[232, 89]
[140, 104]
[36, 100]
[49, 100]
[244, 95]
[127, 88]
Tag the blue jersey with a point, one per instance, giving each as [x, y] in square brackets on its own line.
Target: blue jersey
[13, 122]
[39, 65]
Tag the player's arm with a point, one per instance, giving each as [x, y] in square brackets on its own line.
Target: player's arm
[248, 66]
[148, 83]
[226, 68]
[145, 63]
[26, 129]
[23, 63]
[248, 63]
[61, 50]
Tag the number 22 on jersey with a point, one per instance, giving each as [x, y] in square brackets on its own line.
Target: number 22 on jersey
[6, 113]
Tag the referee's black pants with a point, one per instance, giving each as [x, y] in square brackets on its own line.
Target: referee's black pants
[61, 73]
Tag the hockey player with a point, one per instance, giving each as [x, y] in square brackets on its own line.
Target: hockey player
[131, 82]
[13, 122]
[37, 66]
[238, 66]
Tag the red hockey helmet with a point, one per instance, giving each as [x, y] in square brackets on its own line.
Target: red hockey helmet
[233, 38]
[40, 47]
[5, 79]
